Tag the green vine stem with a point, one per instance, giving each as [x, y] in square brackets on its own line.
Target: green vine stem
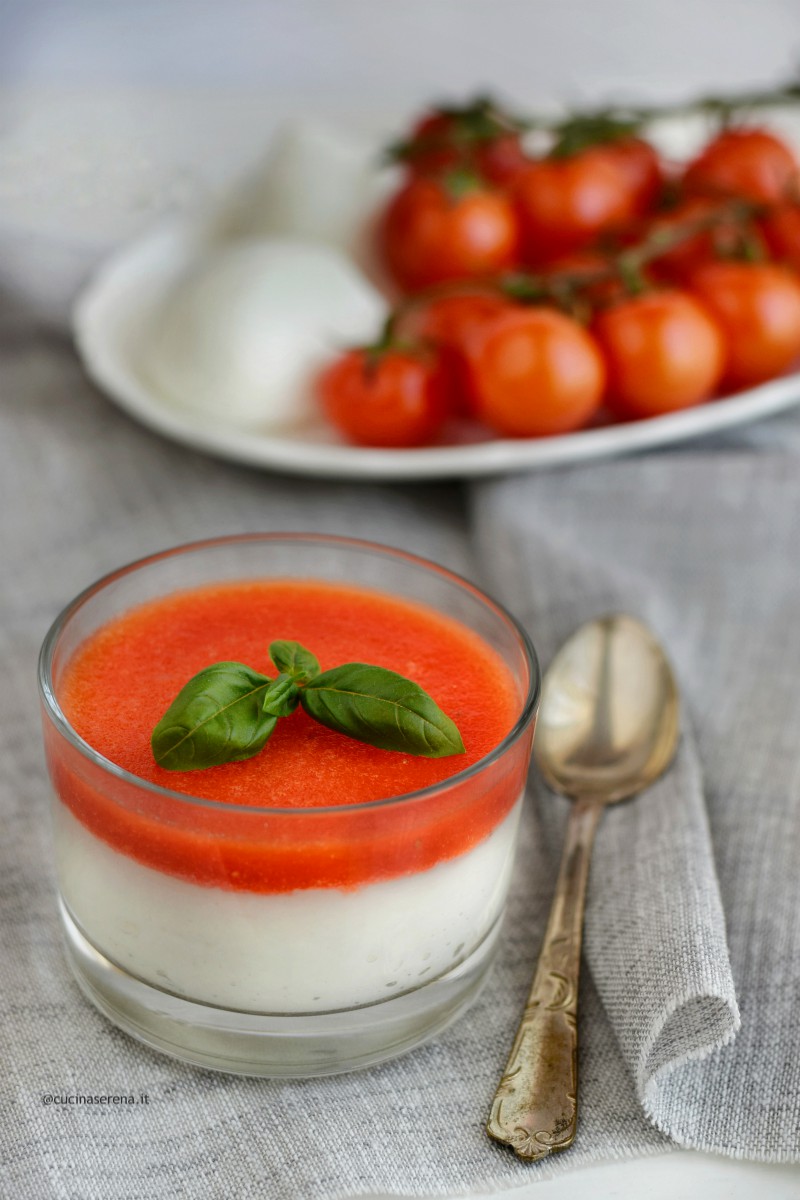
[483, 119]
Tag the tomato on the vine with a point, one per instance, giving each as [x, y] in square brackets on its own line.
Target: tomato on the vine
[388, 398]
[437, 230]
[757, 306]
[449, 322]
[534, 372]
[663, 351]
[441, 141]
[564, 204]
[750, 163]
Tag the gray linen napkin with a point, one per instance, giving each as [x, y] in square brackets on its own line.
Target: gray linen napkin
[704, 543]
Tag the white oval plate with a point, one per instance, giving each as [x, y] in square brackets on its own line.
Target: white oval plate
[109, 322]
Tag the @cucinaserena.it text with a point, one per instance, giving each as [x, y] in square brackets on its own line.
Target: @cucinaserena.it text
[80, 1099]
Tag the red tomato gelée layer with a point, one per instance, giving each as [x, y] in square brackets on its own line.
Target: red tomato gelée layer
[122, 679]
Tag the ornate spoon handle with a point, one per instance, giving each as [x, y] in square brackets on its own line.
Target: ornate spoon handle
[535, 1107]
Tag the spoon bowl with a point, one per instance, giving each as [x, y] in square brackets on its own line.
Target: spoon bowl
[608, 721]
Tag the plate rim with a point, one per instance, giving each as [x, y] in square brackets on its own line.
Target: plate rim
[114, 283]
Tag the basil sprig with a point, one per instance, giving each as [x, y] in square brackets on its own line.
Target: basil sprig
[227, 711]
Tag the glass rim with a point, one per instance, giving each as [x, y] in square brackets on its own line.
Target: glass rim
[62, 724]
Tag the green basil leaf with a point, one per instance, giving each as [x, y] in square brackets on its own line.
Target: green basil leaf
[215, 718]
[381, 708]
[281, 697]
[294, 660]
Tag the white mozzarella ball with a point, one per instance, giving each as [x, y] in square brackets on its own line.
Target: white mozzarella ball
[242, 334]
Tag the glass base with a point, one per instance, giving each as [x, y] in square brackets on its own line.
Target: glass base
[273, 1045]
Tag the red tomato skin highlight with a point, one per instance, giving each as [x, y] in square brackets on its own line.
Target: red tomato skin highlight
[664, 352]
[429, 237]
[390, 399]
[535, 373]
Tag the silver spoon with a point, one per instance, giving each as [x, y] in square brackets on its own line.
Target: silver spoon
[608, 727]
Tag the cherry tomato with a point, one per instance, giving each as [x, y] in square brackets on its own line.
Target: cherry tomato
[384, 398]
[781, 229]
[641, 167]
[534, 372]
[450, 323]
[751, 163]
[430, 236]
[663, 350]
[440, 141]
[565, 203]
[758, 308]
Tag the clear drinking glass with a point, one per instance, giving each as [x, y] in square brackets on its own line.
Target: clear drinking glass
[305, 982]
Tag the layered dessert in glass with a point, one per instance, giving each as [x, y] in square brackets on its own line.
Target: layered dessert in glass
[326, 903]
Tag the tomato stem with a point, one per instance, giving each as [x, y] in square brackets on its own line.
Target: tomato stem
[483, 120]
[460, 181]
[390, 339]
[613, 118]
[631, 275]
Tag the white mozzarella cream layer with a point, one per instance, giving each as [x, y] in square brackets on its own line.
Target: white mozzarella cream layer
[310, 950]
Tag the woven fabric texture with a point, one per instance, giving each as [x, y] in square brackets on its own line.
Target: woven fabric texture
[695, 889]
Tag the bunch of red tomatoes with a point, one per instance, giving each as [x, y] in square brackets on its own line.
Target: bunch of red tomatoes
[540, 291]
